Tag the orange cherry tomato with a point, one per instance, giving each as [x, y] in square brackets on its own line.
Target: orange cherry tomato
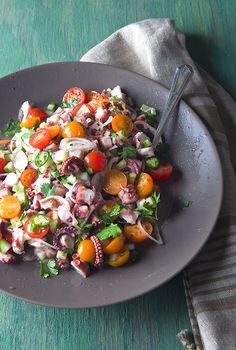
[30, 122]
[28, 177]
[73, 129]
[114, 181]
[95, 160]
[3, 162]
[75, 93]
[133, 233]
[10, 207]
[86, 250]
[115, 245]
[4, 142]
[40, 139]
[41, 232]
[122, 122]
[54, 130]
[118, 259]
[144, 185]
[37, 113]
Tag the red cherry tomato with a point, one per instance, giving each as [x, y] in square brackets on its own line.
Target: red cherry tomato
[37, 113]
[92, 95]
[85, 107]
[96, 161]
[40, 139]
[3, 162]
[39, 233]
[75, 93]
[162, 173]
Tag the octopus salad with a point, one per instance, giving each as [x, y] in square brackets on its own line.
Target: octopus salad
[79, 182]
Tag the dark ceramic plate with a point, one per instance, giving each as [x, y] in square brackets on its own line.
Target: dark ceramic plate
[184, 230]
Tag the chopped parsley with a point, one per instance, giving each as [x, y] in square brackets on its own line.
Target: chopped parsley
[48, 268]
[108, 217]
[128, 152]
[111, 231]
[13, 126]
[70, 103]
[47, 190]
[116, 98]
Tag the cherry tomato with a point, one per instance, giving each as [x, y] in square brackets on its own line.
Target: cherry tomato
[118, 259]
[37, 113]
[40, 139]
[73, 129]
[162, 173]
[54, 130]
[122, 122]
[3, 162]
[75, 93]
[85, 108]
[10, 207]
[39, 233]
[133, 233]
[115, 245]
[28, 177]
[144, 185]
[114, 181]
[95, 160]
[4, 142]
[92, 95]
[30, 122]
[86, 250]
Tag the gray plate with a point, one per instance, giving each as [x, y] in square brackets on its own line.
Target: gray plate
[185, 230]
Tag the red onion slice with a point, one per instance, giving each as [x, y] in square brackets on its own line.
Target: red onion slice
[158, 241]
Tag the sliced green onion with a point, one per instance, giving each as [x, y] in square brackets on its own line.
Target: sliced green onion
[38, 220]
[132, 178]
[42, 158]
[152, 163]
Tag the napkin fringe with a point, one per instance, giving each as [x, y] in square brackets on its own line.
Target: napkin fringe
[186, 339]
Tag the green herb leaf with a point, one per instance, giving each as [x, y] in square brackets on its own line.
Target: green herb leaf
[86, 227]
[47, 190]
[149, 207]
[107, 218]
[186, 203]
[89, 171]
[48, 268]
[111, 231]
[70, 103]
[128, 152]
[150, 114]
[113, 135]
[116, 98]
[11, 128]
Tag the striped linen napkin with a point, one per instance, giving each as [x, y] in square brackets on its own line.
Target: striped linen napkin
[155, 48]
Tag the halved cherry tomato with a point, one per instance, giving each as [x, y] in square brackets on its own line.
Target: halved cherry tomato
[3, 162]
[39, 233]
[86, 250]
[30, 122]
[122, 122]
[92, 95]
[114, 181]
[115, 245]
[4, 142]
[162, 173]
[75, 93]
[133, 233]
[118, 259]
[54, 130]
[40, 139]
[10, 207]
[73, 129]
[37, 113]
[85, 108]
[144, 185]
[28, 177]
[95, 160]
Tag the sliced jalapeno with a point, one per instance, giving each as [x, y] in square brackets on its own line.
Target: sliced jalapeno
[42, 158]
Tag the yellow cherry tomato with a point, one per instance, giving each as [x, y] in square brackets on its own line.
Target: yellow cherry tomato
[115, 245]
[122, 122]
[54, 130]
[30, 122]
[73, 129]
[10, 207]
[133, 233]
[114, 181]
[86, 250]
[118, 259]
[144, 185]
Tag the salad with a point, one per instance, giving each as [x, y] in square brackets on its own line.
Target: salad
[79, 182]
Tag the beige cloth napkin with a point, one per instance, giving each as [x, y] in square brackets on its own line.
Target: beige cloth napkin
[155, 48]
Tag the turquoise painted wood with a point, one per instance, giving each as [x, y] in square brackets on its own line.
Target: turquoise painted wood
[39, 31]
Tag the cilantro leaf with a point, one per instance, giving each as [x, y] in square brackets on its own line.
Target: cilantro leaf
[70, 103]
[128, 152]
[47, 190]
[107, 218]
[150, 114]
[11, 128]
[86, 227]
[116, 98]
[148, 208]
[111, 231]
[48, 268]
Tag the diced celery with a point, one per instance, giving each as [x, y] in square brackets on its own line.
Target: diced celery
[9, 168]
[61, 155]
[16, 222]
[61, 255]
[4, 246]
[71, 179]
[121, 165]
[132, 178]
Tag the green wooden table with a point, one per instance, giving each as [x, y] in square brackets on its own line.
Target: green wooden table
[40, 31]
